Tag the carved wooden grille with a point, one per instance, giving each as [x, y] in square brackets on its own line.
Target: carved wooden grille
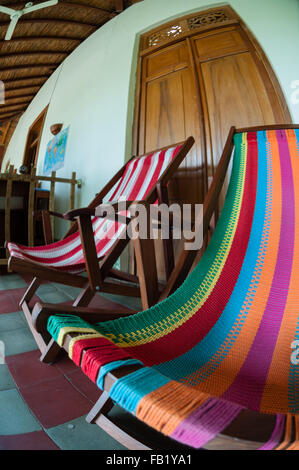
[171, 32]
[203, 20]
[184, 25]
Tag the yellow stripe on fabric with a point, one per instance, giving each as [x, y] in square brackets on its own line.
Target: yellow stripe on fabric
[222, 378]
[72, 329]
[80, 337]
[276, 388]
[193, 304]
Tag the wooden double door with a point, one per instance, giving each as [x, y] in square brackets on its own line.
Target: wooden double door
[201, 85]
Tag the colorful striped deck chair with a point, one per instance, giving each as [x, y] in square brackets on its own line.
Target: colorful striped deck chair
[94, 243]
[221, 353]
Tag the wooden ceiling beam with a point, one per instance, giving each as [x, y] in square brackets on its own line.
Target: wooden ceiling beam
[52, 21]
[10, 98]
[46, 38]
[10, 117]
[7, 55]
[13, 105]
[41, 72]
[10, 89]
[66, 3]
[43, 76]
[11, 68]
[9, 114]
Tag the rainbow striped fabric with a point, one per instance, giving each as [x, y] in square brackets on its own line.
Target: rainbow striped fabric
[139, 177]
[223, 341]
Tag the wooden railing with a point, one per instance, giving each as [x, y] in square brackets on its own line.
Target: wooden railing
[33, 179]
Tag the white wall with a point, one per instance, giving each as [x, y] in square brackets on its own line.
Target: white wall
[93, 90]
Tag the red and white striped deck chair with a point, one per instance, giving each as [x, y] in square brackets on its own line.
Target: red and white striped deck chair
[94, 243]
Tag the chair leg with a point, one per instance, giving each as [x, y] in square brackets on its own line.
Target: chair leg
[168, 253]
[52, 349]
[51, 352]
[41, 339]
[147, 271]
[99, 415]
[102, 406]
[30, 291]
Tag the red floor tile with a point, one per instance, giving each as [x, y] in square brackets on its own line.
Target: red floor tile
[55, 401]
[101, 302]
[27, 370]
[38, 440]
[10, 299]
[66, 365]
[82, 383]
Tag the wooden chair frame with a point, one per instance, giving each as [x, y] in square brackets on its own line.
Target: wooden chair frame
[232, 437]
[145, 284]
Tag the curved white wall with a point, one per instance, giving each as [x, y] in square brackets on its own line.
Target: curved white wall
[93, 90]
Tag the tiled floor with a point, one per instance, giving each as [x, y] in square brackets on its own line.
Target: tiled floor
[44, 406]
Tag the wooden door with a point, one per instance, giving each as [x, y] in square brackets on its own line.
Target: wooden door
[169, 114]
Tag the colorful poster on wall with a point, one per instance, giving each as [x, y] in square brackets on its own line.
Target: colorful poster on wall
[55, 153]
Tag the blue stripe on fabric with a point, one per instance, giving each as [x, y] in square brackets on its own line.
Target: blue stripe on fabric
[129, 390]
[293, 385]
[106, 368]
[205, 350]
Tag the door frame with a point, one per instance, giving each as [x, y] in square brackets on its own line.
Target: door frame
[42, 116]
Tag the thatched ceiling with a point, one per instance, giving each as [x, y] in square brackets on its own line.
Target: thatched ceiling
[41, 41]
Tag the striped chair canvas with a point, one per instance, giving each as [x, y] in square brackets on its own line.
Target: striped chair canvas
[139, 177]
[227, 340]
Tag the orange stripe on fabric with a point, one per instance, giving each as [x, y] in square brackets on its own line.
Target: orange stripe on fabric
[295, 445]
[288, 434]
[276, 389]
[222, 378]
[165, 408]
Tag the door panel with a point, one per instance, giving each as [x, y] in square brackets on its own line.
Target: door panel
[220, 44]
[166, 61]
[170, 115]
[165, 111]
[236, 95]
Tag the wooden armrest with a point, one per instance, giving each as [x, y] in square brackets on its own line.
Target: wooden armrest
[71, 215]
[42, 312]
[55, 214]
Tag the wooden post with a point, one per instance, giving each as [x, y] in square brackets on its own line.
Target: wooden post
[32, 179]
[146, 266]
[72, 193]
[7, 205]
[31, 207]
[52, 199]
